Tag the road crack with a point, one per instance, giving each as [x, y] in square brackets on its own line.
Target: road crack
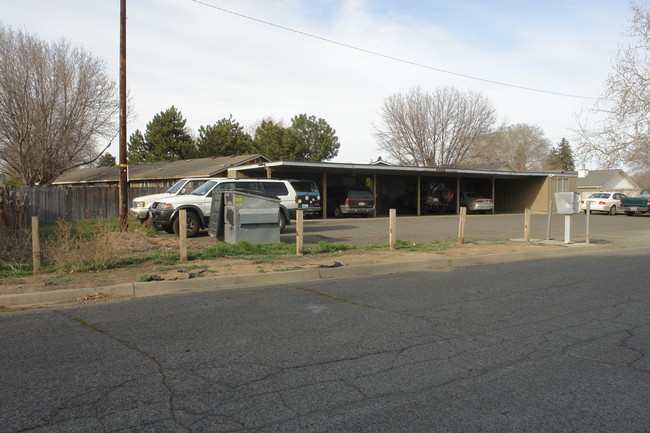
[159, 365]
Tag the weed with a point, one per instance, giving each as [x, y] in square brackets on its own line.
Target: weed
[324, 247]
[70, 249]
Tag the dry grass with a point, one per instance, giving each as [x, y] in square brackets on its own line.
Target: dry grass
[70, 250]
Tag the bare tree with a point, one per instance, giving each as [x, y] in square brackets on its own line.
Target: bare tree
[523, 146]
[617, 129]
[433, 129]
[57, 105]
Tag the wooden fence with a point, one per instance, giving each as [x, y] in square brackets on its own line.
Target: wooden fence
[53, 203]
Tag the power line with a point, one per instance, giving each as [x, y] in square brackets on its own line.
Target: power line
[385, 56]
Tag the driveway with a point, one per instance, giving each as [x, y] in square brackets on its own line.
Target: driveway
[368, 231]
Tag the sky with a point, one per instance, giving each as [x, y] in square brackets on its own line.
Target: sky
[538, 62]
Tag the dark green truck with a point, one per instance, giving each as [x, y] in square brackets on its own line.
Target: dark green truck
[636, 205]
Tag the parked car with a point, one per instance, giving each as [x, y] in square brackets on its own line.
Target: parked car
[608, 202]
[350, 200]
[198, 203]
[140, 205]
[475, 202]
[307, 196]
[637, 205]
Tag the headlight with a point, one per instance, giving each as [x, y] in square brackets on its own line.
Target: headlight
[138, 204]
[165, 206]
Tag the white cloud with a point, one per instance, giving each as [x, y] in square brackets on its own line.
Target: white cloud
[210, 64]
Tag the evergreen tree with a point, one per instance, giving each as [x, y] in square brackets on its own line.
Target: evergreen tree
[307, 139]
[166, 139]
[311, 139]
[270, 141]
[561, 157]
[106, 160]
[224, 138]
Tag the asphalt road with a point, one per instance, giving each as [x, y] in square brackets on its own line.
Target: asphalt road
[553, 345]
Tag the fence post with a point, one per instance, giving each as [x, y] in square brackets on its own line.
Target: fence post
[299, 232]
[182, 234]
[392, 226]
[36, 247]
[461, 225]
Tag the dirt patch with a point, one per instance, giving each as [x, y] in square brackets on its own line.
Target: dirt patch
[130, 243]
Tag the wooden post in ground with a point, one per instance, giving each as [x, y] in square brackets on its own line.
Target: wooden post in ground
[182, 234]
[36, 247]
[299, 232]
[392, 226]
[461, 225]
[527, 225]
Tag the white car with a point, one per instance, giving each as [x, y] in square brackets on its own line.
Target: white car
[198, 204]
[140, 205]
[475, 202]
[608, 202]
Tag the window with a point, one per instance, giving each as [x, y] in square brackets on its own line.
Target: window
[360, 195]
[562, 184]
[304, 186]
[192, 185]
[275, 188]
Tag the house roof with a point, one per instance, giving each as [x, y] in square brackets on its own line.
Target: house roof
[200, 167]
[599, 178]
[336, 167]
[495, 166]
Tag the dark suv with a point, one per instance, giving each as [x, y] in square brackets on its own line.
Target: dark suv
[350, 200]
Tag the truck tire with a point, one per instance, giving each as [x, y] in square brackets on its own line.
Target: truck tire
[629, 213]
[282, 222]
[193, 224]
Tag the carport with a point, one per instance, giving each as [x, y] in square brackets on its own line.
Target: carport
[402, 187]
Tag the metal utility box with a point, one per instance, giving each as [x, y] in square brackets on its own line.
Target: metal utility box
[567, 202]
[250, 216]
[215, 225]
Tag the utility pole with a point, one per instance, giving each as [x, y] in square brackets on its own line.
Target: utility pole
[124, 182]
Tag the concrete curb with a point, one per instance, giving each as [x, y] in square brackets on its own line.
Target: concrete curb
[155, 288]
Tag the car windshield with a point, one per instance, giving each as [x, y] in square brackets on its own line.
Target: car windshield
[175, 187]
[204, 189]
[304, 186]
[599, 195]
[473, 195]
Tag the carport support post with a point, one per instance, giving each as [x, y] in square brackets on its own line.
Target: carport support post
[392, 226]
[527, 225]
[299, 232]
[461, 225]
[457, 194]
[182, 234]
[324, 197]
[417, 191]
[36, 247]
